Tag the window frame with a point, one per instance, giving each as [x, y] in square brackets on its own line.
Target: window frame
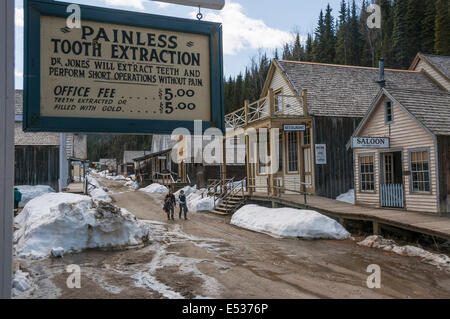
[276, 93]
[386, 121]
[374, 191]
[411, 182]
[287, 169]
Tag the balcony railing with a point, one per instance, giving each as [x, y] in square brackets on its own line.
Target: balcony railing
[269, 106]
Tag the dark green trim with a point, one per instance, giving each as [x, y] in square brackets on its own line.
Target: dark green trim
[33, 122]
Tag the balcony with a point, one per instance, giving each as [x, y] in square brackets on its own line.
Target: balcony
[271, 106]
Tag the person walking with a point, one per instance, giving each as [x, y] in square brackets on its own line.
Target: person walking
[183, 205]
[17, 199]
[169, 205]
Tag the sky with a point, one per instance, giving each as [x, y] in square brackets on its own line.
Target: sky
[250, 27]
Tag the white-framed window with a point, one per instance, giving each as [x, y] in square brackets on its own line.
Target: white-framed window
[367, 173]
[278, 101]
[292, 152]
[420, 171]
[388, 112]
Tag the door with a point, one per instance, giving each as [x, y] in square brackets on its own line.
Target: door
[391, 187]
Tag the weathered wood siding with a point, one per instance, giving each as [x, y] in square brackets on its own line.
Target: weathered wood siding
[336, 177]
[278, 82]
[406, 134]
[444, 82]
[36, 165]
[444, 173]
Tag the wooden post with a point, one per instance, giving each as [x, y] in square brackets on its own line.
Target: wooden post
[376, 228]
[248, 165]
[7, 97]
[246, 104]
[224, 158]
[271, 98]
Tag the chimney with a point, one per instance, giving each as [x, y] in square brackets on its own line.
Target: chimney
[381, 81]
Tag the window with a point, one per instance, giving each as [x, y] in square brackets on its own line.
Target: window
[420, 171]
[263, 153]
[388, 112]
[306, 137]
[366, 173]
[292, 150]
[278, 101]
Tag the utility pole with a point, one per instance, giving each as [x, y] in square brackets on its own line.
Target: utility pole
[7, 98]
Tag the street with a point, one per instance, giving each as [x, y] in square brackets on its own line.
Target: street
[206, 257]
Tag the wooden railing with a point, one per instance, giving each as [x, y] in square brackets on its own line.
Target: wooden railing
[269, 106]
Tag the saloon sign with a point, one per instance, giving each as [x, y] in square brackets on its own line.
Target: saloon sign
[120, 71]
[370, 142]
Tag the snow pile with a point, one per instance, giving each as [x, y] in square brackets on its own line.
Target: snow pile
[117, 178]
[21, 282]
[30, 192]
[72, 223]
[288, 222]
[99, 194]
[188, 190]
[196, 203]
[132, 185]
[155, 188]
[348, 197]
[375, 241]
[93, 183]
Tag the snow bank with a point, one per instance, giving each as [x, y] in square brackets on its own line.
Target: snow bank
[188, 190]
[155, 188]
[196, 203]
[30, 192]
[131, 184]
[93, 183]
[348, 197]
[288, 222]
[99, 194]
[74, 222]
[375, 241]
[21, 282]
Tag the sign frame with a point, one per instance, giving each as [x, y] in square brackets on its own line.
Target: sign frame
[34, 122]
[388, 139]
[298, 127]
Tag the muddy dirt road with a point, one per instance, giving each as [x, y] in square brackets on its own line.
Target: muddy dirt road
[206, 257]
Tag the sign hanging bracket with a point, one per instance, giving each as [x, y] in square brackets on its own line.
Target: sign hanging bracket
[199, 14]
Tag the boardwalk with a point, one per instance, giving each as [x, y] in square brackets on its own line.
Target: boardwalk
[417, 222]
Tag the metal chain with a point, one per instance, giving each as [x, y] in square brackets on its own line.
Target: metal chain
[199, 14]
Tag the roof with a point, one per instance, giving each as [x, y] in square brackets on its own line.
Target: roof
[440, 62]
[107, 161]
[145, 157]
[346, 91]
[129, 156]
[430, 108]
[36, 139]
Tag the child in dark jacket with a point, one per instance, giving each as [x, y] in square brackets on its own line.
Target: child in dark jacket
[183, 204]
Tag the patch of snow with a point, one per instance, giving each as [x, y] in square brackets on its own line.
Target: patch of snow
[288, 222]
[30, 192]
[196, 203]
[348, 197]
[132, 185]
[58, 252]
[376, 241]
[99, 194]
[74, 222]
[93, 183]
[155, 188]
[188, 190]
[21, 282]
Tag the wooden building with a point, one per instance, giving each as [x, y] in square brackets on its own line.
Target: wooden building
[436, 67]
[402, 152]
[127, 166]
[316, 107]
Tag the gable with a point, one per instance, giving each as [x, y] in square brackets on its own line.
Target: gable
[404, 130]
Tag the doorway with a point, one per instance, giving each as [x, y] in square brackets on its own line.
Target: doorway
[391, 186]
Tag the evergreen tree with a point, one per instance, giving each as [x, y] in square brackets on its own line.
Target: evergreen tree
[442, 28]
[400, 35]
[329, 37]
[297, 49]
[309, 48]
[318, 44]
[428, 23]
[386, 31]
[342, 36]
[287, 55]
[414, 15]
